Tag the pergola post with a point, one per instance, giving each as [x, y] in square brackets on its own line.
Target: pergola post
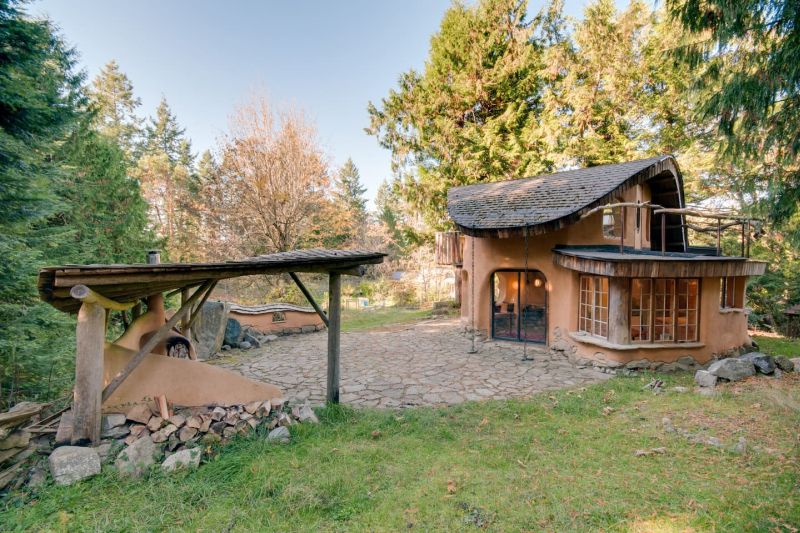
[90, 334]
[619, 298]
[334, 329]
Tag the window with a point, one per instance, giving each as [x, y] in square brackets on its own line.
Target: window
[612, 224]
[731, 292]
[664, 310]
[278, 316]
[593, 312]
[641, 309]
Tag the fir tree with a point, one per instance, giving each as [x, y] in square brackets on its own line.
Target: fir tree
[114, 106]
[40, 101]
[349, 192]
[164, 135]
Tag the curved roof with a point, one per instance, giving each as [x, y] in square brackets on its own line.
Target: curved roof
[269, 308]
[550, 201]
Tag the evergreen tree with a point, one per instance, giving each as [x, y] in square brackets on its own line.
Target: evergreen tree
[103, 209]
[165, 136]
[745, 55]
[40, 99]
[473, 113]
[114, 106]
[349, 192]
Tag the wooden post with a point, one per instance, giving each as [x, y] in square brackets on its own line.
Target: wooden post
[187, 318]
[334, 327]
[719, 237]
[90, 334]
[622, 233]
[619, 298]
[663, 234]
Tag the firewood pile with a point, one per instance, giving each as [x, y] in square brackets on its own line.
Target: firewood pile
[20, 429]
[26, 438]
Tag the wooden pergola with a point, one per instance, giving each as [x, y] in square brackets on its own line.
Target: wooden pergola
[94, 290]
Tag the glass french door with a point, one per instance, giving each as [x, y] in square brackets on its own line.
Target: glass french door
[519, 306]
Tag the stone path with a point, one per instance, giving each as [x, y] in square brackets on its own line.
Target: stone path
[426, 363]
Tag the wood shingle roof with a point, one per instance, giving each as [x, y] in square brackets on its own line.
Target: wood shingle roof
[550, 201]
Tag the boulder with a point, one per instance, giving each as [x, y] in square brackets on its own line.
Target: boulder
[233, 332]
[307, 414]
[704, 378]
[189, 458]
[796, 362]
[279, 435]
[784, 363]
[269, 338]
[253, 341]
[137, 457]
[208, 330]
[686, 362]
[244, 345]
[732, 369]
[764, 363]
[112, 421]
[69, 464]
[642, 364]
[119, 432]
[308, 328]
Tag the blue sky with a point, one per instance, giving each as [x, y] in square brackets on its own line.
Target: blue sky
[329, 58]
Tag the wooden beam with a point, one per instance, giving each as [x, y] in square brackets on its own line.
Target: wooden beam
[153, 341]
[334, 330]
[187, 317]
[87, 295]
[199, 306]
[90, 336]
[310, 298]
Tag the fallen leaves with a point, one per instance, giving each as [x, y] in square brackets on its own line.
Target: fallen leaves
[451, 486]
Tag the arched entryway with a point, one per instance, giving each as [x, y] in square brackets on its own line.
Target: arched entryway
[519, 305]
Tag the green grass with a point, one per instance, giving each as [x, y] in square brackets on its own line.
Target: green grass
[777, 345]
[353, 320]
[554, 462]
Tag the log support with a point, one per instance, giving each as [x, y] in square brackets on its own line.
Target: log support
[86, 403]
[334, 330]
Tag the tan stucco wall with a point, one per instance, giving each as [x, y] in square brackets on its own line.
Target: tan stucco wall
[718, 331]
[182, 381]
[263, 322]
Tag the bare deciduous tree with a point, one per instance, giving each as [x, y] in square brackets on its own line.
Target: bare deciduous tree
[277, 176]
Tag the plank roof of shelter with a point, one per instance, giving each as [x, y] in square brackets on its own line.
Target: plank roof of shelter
[550, 201]
[128, 283]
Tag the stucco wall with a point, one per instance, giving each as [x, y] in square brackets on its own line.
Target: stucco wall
[718, 331]
[263, 322]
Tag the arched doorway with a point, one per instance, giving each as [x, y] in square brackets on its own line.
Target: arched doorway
[519, 306]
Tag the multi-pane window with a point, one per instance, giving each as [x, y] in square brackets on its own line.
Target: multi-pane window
[593, 312]
[641, 309]
[664, 310]
[732, 292]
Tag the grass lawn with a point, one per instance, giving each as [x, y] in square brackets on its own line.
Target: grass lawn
[778, 345]
[353, 320]
[555, 462]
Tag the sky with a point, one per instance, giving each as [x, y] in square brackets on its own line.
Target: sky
[328, 58]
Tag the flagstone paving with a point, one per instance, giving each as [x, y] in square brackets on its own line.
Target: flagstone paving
[426, 363]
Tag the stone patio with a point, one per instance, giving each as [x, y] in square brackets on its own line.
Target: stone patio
[426, 363]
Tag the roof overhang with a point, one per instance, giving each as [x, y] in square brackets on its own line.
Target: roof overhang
[129, 283]
[645, 264]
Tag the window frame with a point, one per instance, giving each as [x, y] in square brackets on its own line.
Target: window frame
[592, 304]
[724, 293]
[665, 295]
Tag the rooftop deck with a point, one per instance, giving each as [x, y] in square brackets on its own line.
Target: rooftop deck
[608, 260]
